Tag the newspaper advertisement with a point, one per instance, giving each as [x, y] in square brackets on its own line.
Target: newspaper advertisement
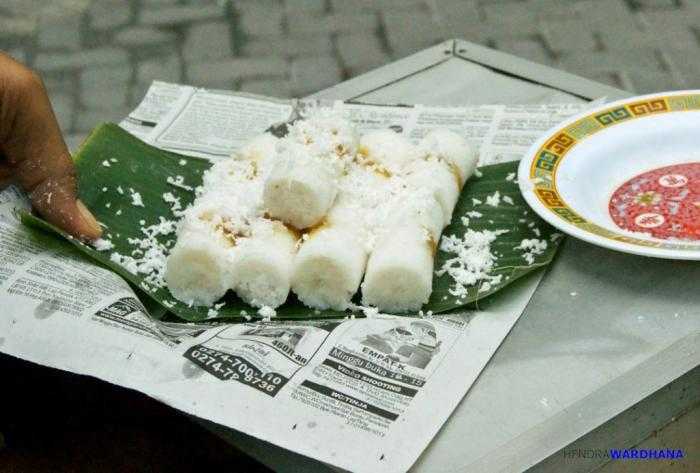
[365, 394]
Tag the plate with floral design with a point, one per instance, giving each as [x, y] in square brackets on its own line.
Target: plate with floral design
[624, 175]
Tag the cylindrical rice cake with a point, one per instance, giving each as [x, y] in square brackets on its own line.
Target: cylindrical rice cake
[419, 207]
[454, 149]
[260, 149]
[263, 264]
[399, 273]
[389, 150]
[328, 268]
[301, 187]
[436, 176]
[198, 269]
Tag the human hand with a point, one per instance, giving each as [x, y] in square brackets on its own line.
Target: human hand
[33, 153]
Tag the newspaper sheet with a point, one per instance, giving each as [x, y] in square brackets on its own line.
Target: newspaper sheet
[357, 394]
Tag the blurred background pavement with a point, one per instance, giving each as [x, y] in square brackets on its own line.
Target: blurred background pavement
[97, 57]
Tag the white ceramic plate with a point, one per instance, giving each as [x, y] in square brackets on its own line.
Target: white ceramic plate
[625, 175]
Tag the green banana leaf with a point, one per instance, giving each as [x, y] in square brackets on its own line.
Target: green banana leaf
[112, 158]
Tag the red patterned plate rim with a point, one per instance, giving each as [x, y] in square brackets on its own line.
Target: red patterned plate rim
[537, 173]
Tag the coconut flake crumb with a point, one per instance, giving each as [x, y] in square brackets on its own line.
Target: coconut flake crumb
[105, 163]
[508, 200]
[510, 176]
[368, 311]
[267, 312]
[476, 202]
[175, 204]
[182, 162]
[211, 313]
[136, 199]
[149, 255]
[178, 181]
[104, 189]
[102, 244]
[474, 214]
[473, 261]
[531, 248]
[494, 200]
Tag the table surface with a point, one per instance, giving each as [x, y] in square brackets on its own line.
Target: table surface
[604, 330]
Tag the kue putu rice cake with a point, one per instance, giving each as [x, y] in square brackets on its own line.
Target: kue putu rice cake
[396, 280]
[301, 187]
[310, 159]
[198, 269]
[387, 149]
[400, 268]
[446, 162]
[324, 214]
[329, 266]
[436, 176]
[259, 149]
[454, 149]
[262, 263]
[417, 206]
[399, 274]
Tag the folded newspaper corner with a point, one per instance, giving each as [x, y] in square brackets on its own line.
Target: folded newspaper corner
[357, 394]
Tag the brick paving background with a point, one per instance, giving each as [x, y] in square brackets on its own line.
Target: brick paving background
[97, 57]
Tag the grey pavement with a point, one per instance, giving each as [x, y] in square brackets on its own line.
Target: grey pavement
[97, 57]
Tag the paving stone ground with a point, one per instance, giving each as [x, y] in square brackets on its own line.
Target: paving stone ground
[97, 57]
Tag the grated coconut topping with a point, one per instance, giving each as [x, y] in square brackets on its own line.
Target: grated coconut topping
[472, 263]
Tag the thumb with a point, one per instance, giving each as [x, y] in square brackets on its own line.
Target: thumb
[31, 140]
[54, 198]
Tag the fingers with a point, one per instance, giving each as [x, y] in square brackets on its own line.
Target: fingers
[36, 154]
[54, 198]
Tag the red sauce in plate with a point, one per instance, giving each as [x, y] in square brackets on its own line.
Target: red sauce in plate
[664, 202]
